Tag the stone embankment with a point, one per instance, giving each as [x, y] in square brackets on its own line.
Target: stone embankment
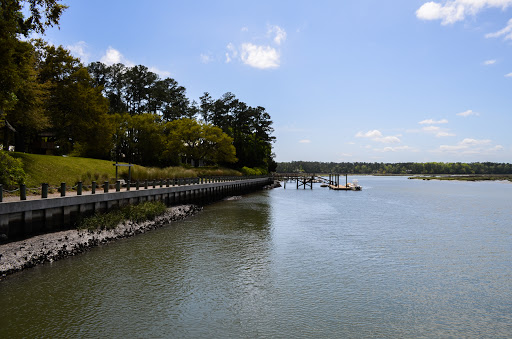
[17, 256]
[274, 184]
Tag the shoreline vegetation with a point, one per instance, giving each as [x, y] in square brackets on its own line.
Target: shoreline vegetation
[482, 177]
[54, 170]
[91, 232]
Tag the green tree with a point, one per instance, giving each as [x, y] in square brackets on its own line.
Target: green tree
[27, 114]
[76, 106]
[146, 139]
[41, 14]
[197, 141]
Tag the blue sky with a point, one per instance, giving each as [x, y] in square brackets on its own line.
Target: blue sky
[384, 81]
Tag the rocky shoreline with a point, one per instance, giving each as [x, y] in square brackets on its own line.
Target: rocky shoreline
[17, 256]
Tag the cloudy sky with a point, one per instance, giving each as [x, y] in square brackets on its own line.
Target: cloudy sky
[373, 80]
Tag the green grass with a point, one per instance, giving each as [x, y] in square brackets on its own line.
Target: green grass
[477, 177]
[56, 169]
[137, 213]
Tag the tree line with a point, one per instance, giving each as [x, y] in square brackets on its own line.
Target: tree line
[51, 102]
[395, 168]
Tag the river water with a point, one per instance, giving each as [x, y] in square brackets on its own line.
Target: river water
[402, 258]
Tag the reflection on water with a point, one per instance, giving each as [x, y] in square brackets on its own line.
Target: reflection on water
[401, 258]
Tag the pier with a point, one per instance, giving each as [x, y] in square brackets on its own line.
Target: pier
[307, 179]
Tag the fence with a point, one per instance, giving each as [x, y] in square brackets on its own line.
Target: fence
[24, 218]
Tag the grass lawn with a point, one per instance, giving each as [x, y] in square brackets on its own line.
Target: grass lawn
[55, 169]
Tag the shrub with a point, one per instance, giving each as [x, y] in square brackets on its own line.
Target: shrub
[254, 171]
[145, 211]
[11, 171]
[136, 213]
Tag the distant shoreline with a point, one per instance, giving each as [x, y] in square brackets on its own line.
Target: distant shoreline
[462, 177]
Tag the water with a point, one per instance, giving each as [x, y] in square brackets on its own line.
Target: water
[402, 258]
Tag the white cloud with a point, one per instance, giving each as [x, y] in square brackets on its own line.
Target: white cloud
[451, 11]
[489, 62]
[79, 50]
[471, 146]
[280, 34]
[468, 113]
[261, 56]
[394, 149]
[506, 32]
[205, 58]
[433, 122]
[113, 56]
[370, 134]
[305, 141]
[388, 140]
[473, 142]
[436, 129]
[509, 75]
[376, 135]
[444, 134]
[257, 56]
[244, 29]
[163, 74]
[431, 128]
[231, 53]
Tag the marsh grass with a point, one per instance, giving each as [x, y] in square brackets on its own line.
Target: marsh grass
[153, 173]
[109, 220]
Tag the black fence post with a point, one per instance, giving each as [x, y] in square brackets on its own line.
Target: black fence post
[79, 188]
[44, 191]
[23, 192]
[105, 187]
[1, 193]
[118, 185]
[93, 187]
[62, 189]
[128, 185]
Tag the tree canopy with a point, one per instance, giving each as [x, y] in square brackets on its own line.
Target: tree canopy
[395, 168]
[53, 103]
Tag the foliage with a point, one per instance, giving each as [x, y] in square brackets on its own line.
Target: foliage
[41, 14]
[250, 128]
[199, 142]
[11, 171]
[153, 173]
[76, 107]
[253, 171]
[395, 168]
[145, 211]
[109, 220]
[124, 113]
[103, 221]
[458, 177]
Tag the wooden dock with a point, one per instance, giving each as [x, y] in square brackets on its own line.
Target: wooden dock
[349, 187]
[307, 179]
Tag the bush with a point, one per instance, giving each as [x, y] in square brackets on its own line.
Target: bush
[11, 171]
[254, 171]
[136, 213]
[145, 211]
